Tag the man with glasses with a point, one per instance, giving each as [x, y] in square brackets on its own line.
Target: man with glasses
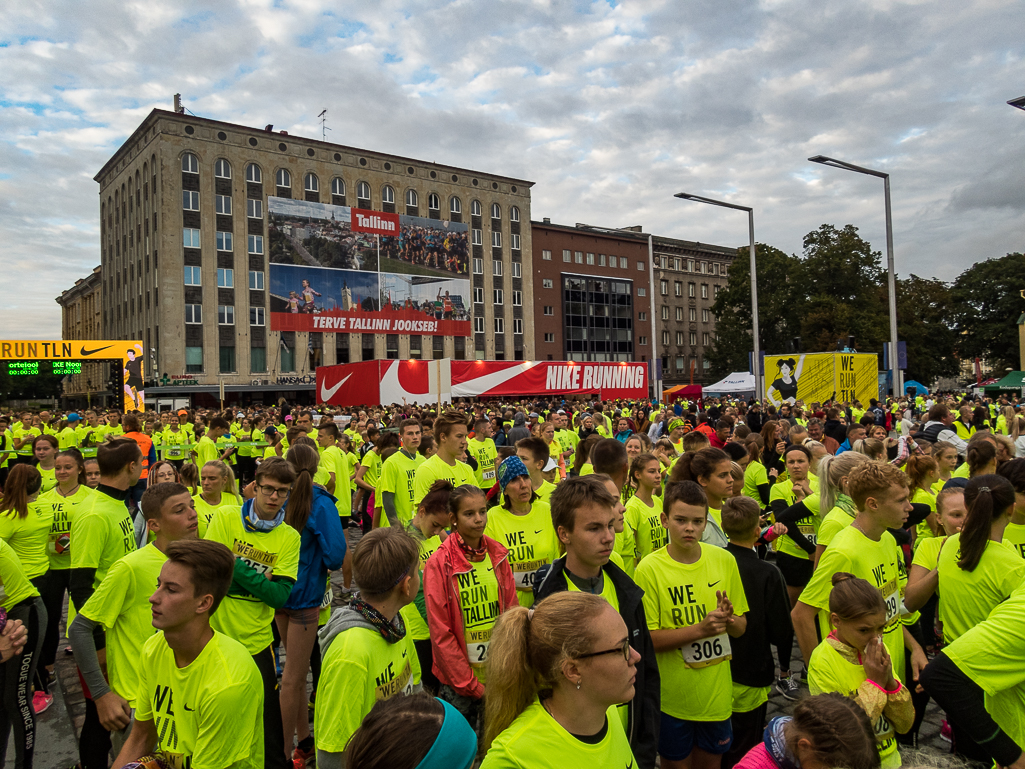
[584, 514]
[266, 554]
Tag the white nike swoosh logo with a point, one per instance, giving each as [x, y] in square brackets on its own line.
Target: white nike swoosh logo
[327, 393]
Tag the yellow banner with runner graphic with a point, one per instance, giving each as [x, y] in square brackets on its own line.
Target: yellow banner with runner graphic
[820, 377]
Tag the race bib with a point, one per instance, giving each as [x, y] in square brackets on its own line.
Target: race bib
[707, 651]
[808, 530]
[891, 597]
[524, 580]
[488, 475]
[326, 600]
[260, 568]
[477, 643]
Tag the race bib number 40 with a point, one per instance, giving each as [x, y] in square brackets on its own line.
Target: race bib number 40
[707, 651]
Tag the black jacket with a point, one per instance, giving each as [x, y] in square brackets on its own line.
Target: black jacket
[768, 620]
[833, 429]
[645, 708]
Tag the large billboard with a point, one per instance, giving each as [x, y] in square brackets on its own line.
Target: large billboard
[342, 269]
[820, 377]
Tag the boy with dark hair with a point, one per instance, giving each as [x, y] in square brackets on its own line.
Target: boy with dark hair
[206, 447]
[200, 697]
[535, 455]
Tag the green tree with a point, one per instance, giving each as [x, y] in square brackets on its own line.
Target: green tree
[780, 299]
[986, 302]
[923, 321]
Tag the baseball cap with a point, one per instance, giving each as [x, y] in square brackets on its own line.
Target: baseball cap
[73, 417]
[288, 418]
[550, 465]
[270, 430]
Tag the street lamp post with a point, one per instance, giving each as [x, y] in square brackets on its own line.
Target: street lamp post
[891, 277]
[756, 359]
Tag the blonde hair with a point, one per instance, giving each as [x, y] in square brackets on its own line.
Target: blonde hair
[528, 649]
[230, 484]
[832, 470]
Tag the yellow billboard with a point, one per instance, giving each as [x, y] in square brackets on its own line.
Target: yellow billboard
[129, 352]
[820, 377]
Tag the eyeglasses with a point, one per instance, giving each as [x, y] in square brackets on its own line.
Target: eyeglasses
[623, 649]
[274, 491]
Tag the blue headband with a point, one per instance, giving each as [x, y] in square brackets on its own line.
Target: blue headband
[511, 467]
[455, 746]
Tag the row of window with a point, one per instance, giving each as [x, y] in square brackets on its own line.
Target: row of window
[678, 264]
[225, 315]
[706, 315]
[496, 267]
[191, 238]
[580, 257]
[478, 325]
[691, 289]
[225, 277]
[311, 183]
[498, 297]
[692, 338]
[641, 340]
[547, 283]
[222, 204]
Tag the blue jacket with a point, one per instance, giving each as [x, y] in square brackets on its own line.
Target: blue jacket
[322, 547]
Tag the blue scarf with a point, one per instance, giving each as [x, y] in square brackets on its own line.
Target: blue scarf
[254, 522]
[776, 744]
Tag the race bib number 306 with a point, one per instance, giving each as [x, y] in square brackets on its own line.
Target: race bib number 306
[707, 651]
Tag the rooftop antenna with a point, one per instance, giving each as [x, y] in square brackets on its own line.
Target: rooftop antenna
[323, 125]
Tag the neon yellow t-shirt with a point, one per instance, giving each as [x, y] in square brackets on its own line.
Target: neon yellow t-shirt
[922, 531]
[101, 532]
[416, 625]
[29, 537]
[172, 442]
[435, 469]
[968, 596]
[535, 740]
[206, 451]
[808, 526]
[332, 461]
[927, 554]
[1014, 535]
[209, 713]
[398, 475]
[681, 595]
[242, 616]
[49, 479]
[832, 524]
[58, 548]
[646, 521]
[372, 461]
[67, 438]
[626, 546]
[478, 599]
[878, 563]
[485, 453]
[14, 585]
[205, 511]
[828, 671]
[755, 475]
[531, 541]
[360, 667]
[962, 471]
[121, 605]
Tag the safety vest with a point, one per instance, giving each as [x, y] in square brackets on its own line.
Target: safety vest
[964, 432]
[145, 444]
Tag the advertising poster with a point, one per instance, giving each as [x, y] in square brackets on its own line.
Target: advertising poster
[347, 270]
[820, 377]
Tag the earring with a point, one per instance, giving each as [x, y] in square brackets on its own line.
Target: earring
[578, 685]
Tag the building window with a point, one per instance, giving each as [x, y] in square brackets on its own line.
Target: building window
[704, 316]
[665, 338]
[478, 266]
[225, 278]
[478, 324]
[190, 237]
[677, 288]
[517, 270]
[515, 242]
[704, 268]
[665, 312]
[475, 209]
[590, 258]
[641, 291]
[387, 194]
[478, 295]
[223, 241]
[496, 239]
[642, 340]
[498, 296]
[514, 214]
[663, 286]
[256, 316]
[547, 283]
[256, 280]
[693, 314]
[338, 186]
[190, 200]
[363, 193]
[254, 209]
[546, 255]
[478, 238]
[499, 325]
[601, 260]
[192, 276]
[614, 261]
[496, 211]
[679, 338]
[287, 360]
[717, 291]
[640, 266]
[550, 337]
[256, 244]
[704, 339]
[549, 310]
[517, 325]
[193, 360]
[282, 178]
[454, 206]
[311, 183]
[227, 360]
[723, 270]
[680, 364]
[222, 204]
[496, 267]
[517, 298]
[194, 314]
[578, 257]
[254, 174]
[222, 169]
[190, 163]
[412, 199]
[693, 338]
[225, 315]
[433, 202]
[567, 255]
[258, 360]
[704, 291]
[676, 264]
[690, 290]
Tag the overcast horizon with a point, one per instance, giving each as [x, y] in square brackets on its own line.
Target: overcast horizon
[609, 108]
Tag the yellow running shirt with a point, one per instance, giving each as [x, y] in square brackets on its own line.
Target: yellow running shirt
[398, 474]
[435, 469]
[923, 531]
[681, 595]
[755, 475]
[646, 521]
[835, 521]
[531, 542]
[58, 549]
[29, 537]
[102, 532]
[416, 625]
[808, 526]
[121, 605]
[205, 511]
[478, 599]
[209, 713]
[14, 585]
[1014, 535]
[485, 453]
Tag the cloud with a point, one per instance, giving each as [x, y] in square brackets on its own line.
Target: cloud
[610, 108]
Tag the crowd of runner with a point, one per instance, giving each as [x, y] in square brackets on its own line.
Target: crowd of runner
[530, 584]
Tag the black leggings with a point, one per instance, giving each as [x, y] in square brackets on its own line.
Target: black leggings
[51, 589]
[920, 700]
[94, 742]
[16, 675]
[425, 654]
[273, 729]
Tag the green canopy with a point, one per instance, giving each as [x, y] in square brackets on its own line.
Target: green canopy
[1012, 382]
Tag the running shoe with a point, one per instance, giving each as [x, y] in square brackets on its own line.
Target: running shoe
[789, 687]
[303, 758]
[946, 733]
[41, 701]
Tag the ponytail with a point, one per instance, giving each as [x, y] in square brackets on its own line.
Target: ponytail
[980, 453]
[853, 598]
[987, 498]
[24, 481]
[304, 460]
[832, 470]
[919, 466]
[697, 464]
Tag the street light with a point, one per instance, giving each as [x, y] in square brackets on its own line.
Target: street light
[1019, 102]
[891, 277]
[756, 361]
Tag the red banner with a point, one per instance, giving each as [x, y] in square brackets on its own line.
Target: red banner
[374, 222]
[497, 378]
[377, 322]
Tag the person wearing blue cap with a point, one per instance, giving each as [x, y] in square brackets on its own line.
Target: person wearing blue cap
[67, 437]
[523, 524]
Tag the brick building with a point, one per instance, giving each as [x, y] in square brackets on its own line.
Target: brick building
[82, 318]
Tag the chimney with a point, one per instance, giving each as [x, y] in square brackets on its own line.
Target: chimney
[178, 104]
[547, 220]
[269, 127]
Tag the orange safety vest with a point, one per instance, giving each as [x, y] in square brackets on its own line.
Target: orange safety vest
[145, 444]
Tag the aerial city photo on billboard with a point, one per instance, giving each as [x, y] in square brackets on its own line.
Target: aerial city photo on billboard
[336, 268]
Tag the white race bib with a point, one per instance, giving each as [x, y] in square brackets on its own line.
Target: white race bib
[707, 651]
[477, 643]
[488, 475]
[808, 530]
[892, 600]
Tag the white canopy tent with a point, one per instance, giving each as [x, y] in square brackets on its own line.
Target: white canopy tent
[737, 382]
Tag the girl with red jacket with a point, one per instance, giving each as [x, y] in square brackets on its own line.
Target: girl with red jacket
[468, 584]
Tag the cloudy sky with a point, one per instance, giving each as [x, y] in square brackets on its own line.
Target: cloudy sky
[609, 107]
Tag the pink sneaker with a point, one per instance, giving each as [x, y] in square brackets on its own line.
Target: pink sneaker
[41, 701]
[946, 733]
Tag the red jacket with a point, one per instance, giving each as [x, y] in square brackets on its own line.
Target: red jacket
[445, 617]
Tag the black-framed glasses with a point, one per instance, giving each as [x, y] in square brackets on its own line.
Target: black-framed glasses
[274, 491]
[623, 648]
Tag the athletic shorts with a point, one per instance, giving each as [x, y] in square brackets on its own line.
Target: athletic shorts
[678, 737]
[796, 571]
[304, 617]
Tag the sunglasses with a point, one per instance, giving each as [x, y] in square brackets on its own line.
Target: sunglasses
[623, 648]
